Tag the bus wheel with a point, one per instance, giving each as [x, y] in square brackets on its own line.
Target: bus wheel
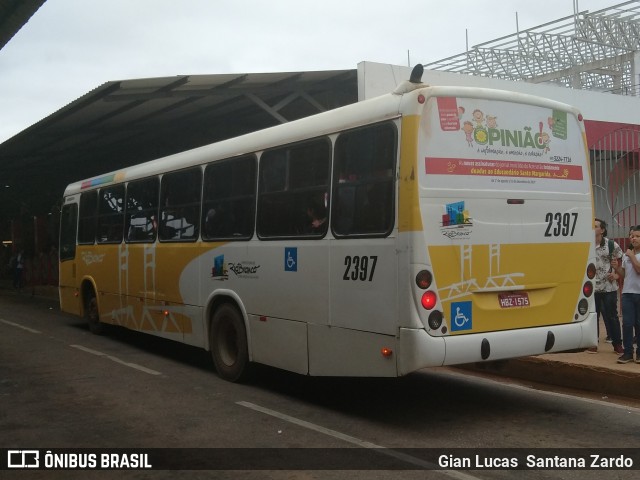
[228, 341]
[91, 314]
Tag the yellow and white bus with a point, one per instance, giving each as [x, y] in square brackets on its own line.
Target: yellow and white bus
[430, 226]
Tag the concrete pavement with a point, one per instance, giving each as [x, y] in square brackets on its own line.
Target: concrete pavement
[593, 372]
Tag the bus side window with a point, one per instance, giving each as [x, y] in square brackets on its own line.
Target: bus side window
[142, 210]
[111, 214]
[293, 185]
[87, 221]
[363, 185]
[180, 205]
[228, 206]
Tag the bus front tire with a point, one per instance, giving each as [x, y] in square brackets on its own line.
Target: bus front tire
[92, 316]
[228, 343]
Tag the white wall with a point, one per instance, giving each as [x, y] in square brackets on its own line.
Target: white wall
[376, 79]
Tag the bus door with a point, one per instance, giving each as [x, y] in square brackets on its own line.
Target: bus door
[67, 276]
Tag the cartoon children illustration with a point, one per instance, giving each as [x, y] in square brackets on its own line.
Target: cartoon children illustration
[545, 140]
[492, 121]
[467, 127]
[478, 117]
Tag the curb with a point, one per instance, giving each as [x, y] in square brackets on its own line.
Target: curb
[591, 378]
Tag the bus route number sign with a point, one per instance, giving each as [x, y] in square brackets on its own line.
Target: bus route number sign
[513, 299]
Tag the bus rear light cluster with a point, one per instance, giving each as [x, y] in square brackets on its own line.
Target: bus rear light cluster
[424, 278]
[591, 271]
[587, 289]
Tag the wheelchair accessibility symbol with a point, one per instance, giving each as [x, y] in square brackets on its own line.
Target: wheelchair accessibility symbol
[461, 316]
[291, 259]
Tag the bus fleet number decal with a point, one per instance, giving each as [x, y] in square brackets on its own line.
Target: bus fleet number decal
[561, 224]
[359, 268]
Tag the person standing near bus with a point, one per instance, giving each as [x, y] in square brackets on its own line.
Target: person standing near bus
[630, 270]
[18, 269]
[606, 291]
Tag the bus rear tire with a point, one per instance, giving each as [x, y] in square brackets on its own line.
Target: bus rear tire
[92, 315]
[228, 343]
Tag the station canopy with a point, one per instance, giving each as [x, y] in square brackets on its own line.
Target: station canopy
[122, 123]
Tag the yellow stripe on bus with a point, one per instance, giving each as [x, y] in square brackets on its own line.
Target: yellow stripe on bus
[409, 218]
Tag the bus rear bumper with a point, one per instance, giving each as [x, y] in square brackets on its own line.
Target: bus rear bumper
[420, 350]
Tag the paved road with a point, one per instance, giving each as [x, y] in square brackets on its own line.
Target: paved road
[61, 387]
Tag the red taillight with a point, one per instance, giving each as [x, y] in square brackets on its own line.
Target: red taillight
[587, 289]
[386, 352]
[421, 99]
[591, 271]
[429, 300]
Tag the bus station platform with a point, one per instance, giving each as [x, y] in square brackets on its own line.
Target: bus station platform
[598, 373]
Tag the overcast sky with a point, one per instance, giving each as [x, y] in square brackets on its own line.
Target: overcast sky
[70, 47]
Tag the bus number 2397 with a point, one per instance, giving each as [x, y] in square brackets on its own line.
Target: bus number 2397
[359, 268]
[559, 224]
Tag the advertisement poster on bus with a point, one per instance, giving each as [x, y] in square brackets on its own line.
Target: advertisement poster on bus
[491, 144]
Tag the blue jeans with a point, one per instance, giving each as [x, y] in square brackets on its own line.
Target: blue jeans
[607, 305]
[630, 320]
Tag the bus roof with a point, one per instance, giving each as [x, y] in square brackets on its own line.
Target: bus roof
[373, 110]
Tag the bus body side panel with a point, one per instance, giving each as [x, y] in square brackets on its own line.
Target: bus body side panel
[70, 301]
[279, 343]
[364, 282]
[281, 285]
[346, 352]
[137, 288]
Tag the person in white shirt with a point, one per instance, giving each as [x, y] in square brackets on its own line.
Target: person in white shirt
[630, 271]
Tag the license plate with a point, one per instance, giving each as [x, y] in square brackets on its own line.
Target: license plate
[513, 299]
